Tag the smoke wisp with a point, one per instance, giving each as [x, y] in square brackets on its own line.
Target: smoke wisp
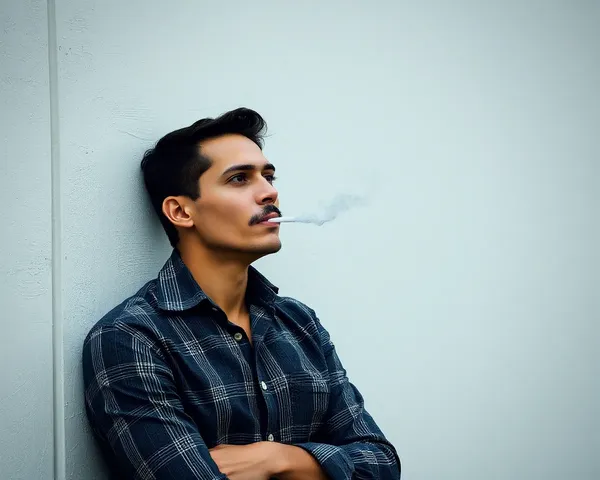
[339, 204]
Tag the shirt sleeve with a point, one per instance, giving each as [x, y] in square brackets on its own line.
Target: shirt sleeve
[135, 412]
[356, 448]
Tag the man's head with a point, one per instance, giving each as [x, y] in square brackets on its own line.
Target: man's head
[211, 185]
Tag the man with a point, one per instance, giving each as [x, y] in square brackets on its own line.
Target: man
[206, 373]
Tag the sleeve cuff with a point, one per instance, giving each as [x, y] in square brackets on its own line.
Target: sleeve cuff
[334, 461]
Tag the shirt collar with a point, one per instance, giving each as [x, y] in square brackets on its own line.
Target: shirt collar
[178, 291]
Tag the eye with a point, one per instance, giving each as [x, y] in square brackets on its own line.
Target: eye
[270, 178]
[238, 179]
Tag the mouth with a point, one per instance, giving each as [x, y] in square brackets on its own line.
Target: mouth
[265, 220]
[262, 218]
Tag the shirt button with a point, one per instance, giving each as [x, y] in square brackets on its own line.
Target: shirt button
[271, 438]
[263, 385]
[238, 336]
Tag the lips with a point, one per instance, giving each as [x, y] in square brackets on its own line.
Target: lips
[269, 216]
[261, 218]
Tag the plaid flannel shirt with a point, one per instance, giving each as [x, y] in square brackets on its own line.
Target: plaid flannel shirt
[167, 377]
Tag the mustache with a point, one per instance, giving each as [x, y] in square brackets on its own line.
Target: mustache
[266, 211]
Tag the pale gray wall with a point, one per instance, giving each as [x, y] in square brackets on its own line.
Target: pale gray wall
[26, 440]
[471, 277]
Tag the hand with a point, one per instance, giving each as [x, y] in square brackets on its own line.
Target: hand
[245, 462]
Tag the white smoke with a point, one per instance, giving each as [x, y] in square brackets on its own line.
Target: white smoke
[339, 204]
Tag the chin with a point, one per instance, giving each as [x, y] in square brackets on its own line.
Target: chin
[265, 248]
[268, 248]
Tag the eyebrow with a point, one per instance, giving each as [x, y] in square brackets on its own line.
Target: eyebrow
[248, 167]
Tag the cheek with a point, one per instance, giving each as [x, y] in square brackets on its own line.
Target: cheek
[223, 215]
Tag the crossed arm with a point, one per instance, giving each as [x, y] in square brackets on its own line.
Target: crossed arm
[264, 460]
[134, 407]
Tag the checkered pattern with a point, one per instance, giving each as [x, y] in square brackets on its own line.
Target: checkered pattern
[166, 379]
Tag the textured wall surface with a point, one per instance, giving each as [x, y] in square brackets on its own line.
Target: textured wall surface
[468, 280]
[26, 443]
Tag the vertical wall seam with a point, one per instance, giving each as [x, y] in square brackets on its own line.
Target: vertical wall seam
[58, 410]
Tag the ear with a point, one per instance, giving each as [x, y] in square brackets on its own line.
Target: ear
[177, 210]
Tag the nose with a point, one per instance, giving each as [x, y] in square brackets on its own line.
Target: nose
[267, 194]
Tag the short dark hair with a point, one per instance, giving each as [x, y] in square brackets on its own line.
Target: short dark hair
[175, 164]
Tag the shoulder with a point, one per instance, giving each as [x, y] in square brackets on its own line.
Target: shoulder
[305, 318]
[137, 316]
[296, 308]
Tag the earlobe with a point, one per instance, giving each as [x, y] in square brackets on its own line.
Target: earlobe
[175, 209]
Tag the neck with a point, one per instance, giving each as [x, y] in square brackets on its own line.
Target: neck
[223, 278]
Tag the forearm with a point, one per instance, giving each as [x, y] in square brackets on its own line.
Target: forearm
[295, 463]
[359, 460]
[373, 460]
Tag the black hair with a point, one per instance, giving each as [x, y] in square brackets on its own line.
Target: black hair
[175, 164]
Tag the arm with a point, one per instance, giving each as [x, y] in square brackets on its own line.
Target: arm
[135, 411]
[295, 463]
[269, 460]
[356, 448]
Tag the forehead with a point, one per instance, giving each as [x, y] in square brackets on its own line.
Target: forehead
[228, 150]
